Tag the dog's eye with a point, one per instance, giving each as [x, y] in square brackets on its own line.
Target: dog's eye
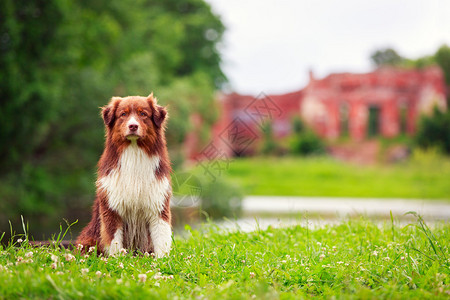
[142, 114]
[124, 114]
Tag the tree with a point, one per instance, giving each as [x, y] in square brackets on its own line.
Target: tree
[442, 57]
[60, 60]
[386, 56]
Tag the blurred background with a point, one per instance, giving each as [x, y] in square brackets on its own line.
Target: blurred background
[270, 103]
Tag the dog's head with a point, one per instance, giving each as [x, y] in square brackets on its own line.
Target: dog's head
[134, 118]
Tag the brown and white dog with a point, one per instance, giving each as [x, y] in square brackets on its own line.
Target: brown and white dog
[132, 206]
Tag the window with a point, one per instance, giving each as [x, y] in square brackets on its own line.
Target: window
[343, 119]
[373, 126]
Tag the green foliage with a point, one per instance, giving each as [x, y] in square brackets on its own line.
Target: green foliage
[352, 259]
[307, 143]
[434, 131]
[269, 146]
[304, 141]
[297, 126]
[386, 56]
[442, 57]
[60, 60]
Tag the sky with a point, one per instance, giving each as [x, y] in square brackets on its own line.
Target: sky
[270, 46]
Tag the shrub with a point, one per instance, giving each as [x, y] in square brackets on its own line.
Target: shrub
[434, 131]
[269, 146]
[305, 141]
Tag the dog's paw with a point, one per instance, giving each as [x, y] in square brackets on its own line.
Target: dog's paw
[115, 248]
[161, 253]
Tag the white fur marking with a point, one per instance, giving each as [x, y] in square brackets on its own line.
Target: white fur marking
[132, 121]
[132, 187]
[116, 243]
[161, 234]
[136, 194]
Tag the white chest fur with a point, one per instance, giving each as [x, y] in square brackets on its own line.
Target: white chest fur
[132, 188]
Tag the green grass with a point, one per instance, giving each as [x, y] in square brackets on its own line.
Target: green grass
[355, 259]
[422, 177]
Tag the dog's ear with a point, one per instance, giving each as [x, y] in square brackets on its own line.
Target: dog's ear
[109, 112]
[159, 115]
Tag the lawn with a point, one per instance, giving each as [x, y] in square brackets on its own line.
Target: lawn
[354, 259]
[422, 177]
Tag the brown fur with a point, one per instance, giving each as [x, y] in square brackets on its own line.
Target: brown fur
[151, 117]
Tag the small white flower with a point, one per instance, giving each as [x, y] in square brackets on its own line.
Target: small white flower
[29, 254]
[19, 240]
[170, 277]
[84, 271]
[69, 257]
[142, 277]
[402, 258]
[123, 251]
[91, 249]
[146, 254]
[79, 247]
[252, 275]
[387, 258]
[340, 262]
[59, 273]
[243, 261]
[156, 283]
[121, 265]
[53, 266]
[157, 276]
[19, 258]
[98, 273]
[375, 253]
[322, 256]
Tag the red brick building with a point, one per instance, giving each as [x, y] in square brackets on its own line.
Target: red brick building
[386, 102]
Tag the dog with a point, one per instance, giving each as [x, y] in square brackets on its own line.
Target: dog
[132, 205]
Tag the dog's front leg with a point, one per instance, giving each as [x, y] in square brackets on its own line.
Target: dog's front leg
[111, 231]
[161, 234]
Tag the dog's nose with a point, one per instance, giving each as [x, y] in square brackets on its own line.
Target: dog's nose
[133, 127]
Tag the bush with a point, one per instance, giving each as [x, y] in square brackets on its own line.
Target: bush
[269, 145]
[305, 141]
[434, 131]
